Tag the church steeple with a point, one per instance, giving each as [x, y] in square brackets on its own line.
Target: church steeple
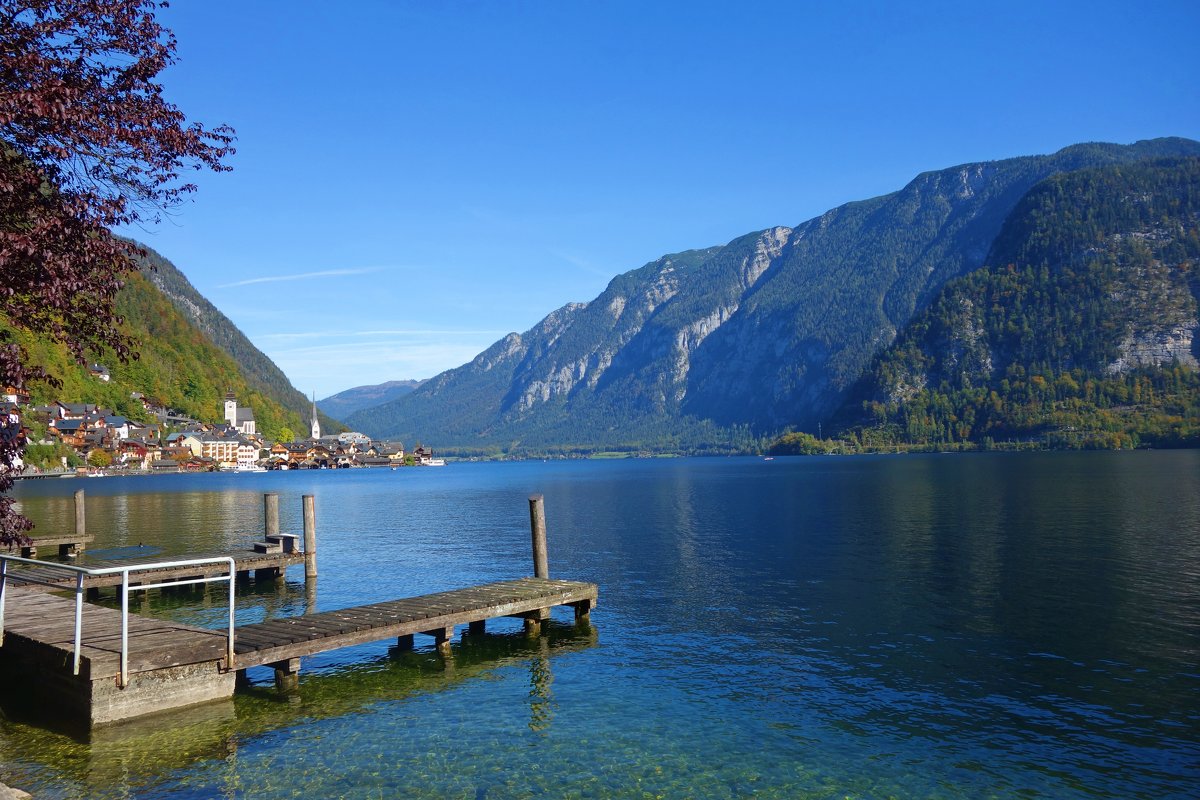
[316, 426]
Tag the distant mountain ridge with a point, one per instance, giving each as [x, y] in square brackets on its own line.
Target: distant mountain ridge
[345, 403]
[707, 349]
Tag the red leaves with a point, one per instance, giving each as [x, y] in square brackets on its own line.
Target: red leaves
[87, 142]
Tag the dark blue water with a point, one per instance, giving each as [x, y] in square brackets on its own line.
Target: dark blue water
[1010, 625]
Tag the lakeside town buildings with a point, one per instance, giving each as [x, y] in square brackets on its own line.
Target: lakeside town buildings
[191, 445]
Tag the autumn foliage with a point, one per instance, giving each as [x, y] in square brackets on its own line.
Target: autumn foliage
[87, 143]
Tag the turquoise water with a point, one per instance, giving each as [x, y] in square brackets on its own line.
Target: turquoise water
[1008, 626]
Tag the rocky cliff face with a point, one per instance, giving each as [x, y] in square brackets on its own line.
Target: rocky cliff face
[1094, 274]
[769, 330]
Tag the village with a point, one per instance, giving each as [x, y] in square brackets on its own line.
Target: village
[91, 440]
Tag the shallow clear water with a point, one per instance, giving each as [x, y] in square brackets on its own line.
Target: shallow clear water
[1008, 625]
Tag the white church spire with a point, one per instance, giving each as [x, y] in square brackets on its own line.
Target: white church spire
[316, 426]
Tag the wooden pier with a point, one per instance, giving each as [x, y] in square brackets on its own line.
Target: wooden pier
[169, 665]
[281, 643]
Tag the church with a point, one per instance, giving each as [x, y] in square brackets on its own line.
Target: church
[240, 418]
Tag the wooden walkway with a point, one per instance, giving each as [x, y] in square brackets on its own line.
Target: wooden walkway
[280, 640]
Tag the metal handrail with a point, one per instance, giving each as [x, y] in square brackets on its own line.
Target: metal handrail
[124, 571]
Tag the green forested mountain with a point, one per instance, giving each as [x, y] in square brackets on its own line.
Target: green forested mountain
[710, 349]
[261, 373]
[1080, 332]
[179, 364]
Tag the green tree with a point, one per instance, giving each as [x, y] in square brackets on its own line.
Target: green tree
[99, 458]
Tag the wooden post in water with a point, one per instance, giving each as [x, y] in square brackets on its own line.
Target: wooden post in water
[287, 675]
[80, 519]
[310, 537]
[270, 514]
[537, 527]
[541, 560]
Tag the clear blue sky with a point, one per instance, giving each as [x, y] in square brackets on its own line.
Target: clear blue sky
[416, 179]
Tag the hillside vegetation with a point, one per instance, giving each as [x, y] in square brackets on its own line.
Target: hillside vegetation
[1081, 332]
[178, 364]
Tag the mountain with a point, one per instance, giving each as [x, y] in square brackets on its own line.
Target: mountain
[343, 404]
[1081, 332]
[261, 373]
[708, 349]
[179, 363]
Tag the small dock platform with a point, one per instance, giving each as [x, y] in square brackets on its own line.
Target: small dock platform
[66, 544]
[260, 564]
[171, 664]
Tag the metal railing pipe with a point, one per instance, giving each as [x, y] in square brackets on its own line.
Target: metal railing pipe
[78, 619]
[124, 677]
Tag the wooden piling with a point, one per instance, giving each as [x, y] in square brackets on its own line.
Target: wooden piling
[80, 519]
[287, 674]
[310, 537]
[541, 559]
[442, 636]
[270, 514]
[537, 527]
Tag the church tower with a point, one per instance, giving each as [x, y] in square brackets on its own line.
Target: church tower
[231, 408]
[316, 426]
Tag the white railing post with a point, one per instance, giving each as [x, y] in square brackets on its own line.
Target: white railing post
[3, 584]
[78, 617]
[232, 586]
[124, 678]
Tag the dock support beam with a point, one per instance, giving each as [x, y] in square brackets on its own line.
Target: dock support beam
[477, 628]
[442, 636]
[310, 537]
[287, 675]
[405, 642]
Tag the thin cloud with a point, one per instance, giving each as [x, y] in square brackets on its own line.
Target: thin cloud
[582, 264]
[302, 276]
[302, 335]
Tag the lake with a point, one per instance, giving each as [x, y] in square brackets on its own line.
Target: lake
[988, 625]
